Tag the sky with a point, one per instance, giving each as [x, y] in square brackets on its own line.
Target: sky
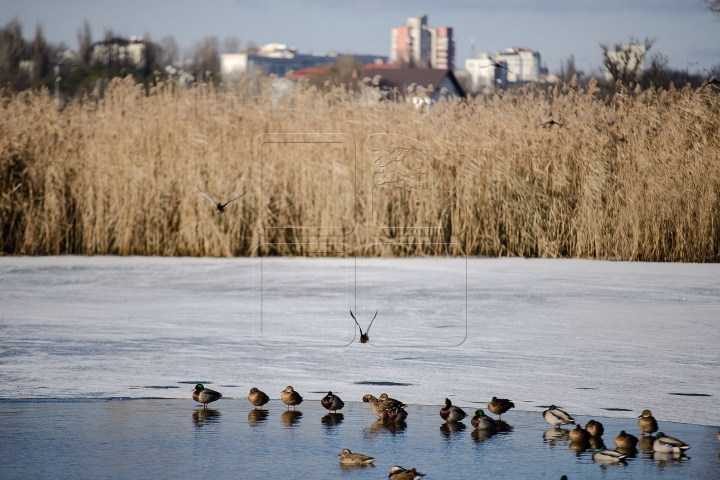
[684, 30]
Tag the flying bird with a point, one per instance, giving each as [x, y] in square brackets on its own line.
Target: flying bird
[713, 82]
[496, 65]
[551, 123]
[364, 337]
[219, 207]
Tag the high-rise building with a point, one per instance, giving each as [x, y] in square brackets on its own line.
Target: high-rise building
[419, 45]
[401, 50]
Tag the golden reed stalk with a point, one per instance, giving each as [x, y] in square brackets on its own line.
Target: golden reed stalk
[634, 178]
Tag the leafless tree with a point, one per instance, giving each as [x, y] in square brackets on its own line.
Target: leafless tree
[84, 44]
[206, 59]
[231, 44]
[626, 62]
[40, 55]
[251, 48]
[713, 6]
[12, 50]
[568, 70]
[169, 51]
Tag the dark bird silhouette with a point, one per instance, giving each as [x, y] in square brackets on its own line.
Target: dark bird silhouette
[364, 337]
[332, 402]
[219, 207]
[551, 123]
[498, 406]
[713, 82]
[497, 65]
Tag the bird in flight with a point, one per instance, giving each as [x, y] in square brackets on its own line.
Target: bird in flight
[364, 337]
[550, 123]
[497, 65]
[219, 207]
[713, 82]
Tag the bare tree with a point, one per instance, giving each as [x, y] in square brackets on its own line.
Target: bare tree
[12, 50]
[169, 51]
[251, 48]
[84, 44]
[568, 70]
[626, 62]
[231, 44]
[40, 55]
[713, 6]
[206, 59]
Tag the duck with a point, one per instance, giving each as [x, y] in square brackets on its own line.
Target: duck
[498, 406]
[625, 440]
[290, 397]
[482, 422]
[349, 458]
[205, 395]
[579, 434]
[595, 428]
[647, 423]
[332, 402]
[665, 444]
[556, 417]
[451, 413]
[608, 456]
[399, 473]
[396, 414]
[364, 337]
[220, 207]
[381, 406]
[258, 397]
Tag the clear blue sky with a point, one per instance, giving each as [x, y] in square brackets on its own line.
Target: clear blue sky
[685, 31]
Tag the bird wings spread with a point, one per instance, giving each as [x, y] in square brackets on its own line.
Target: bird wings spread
[208, 197]
[230, 201]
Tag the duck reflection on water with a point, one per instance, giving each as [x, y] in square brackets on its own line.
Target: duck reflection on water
[290, 417]
[668, 458]
[450, 428]
[381, 426]
[646, 444]
[579, 446]
[332, 419]
[556, 436]
[481, 435]
[255, 416]
[204, 416]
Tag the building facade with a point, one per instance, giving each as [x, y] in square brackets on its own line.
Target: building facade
[523, 64]
[419, 45]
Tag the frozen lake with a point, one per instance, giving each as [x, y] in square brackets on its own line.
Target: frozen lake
[594, 337]
[178, 439]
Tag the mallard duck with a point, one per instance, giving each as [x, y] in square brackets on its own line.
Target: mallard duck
[666, 444]
[647, 423]
[349, 458]
[579, 434]
[625, 440]
[290, 397]
[396, 414]
[482, 422]
[608, 456]
[451, 413]
[219, 207]
[205, 395]
[364, 337]
[381, 406]
[399, 473]
[498, 406]
[556, 417]
[595, 428]
[258, 397]
[332, 402]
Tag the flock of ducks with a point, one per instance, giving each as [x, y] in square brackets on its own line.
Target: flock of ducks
[393, 411]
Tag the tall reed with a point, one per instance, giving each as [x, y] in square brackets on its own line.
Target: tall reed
[633, 178]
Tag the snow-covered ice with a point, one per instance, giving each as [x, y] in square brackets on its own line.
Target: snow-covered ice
[595, 337]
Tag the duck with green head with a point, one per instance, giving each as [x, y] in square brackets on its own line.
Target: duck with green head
[205, 395]
[482, 422]
[556, 417]
[665, 444]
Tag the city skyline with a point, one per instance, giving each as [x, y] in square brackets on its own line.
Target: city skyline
[685, 32]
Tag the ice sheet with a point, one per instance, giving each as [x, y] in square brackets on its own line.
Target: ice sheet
[595, 337]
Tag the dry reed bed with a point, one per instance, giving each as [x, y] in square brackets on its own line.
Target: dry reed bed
[635, 178]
